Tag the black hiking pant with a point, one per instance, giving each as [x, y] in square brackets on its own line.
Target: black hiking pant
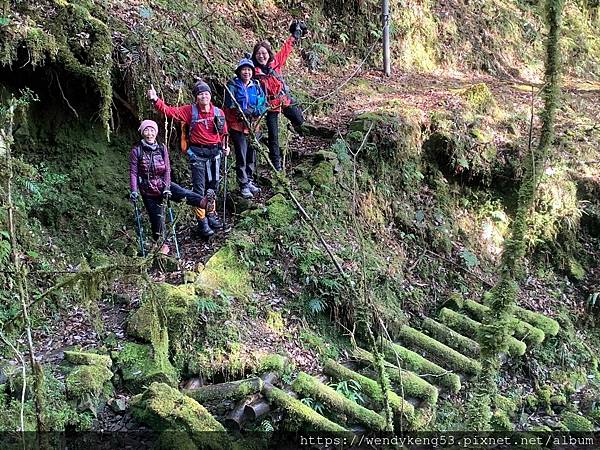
[294, 115]
[205, 166]
[154, 206]
[245, 157]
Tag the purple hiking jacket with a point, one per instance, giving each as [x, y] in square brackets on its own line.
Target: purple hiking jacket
[151, 168]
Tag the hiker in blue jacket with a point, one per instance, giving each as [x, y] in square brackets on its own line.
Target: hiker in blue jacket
[245, 103]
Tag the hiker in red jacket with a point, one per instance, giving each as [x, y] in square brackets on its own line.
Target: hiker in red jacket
[268, 72]
[150, 176]
[207, 137]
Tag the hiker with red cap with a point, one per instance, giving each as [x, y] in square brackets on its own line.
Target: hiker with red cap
[207, 136]
[268, 68]
[150, 178]
[245, 103]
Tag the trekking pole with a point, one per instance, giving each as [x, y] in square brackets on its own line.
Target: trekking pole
[173, 229]
[140, 229]
[225, 186]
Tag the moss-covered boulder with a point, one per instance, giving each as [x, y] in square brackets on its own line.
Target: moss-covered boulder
[576, 422]
[163, 408]
[88, 383]
[225, 273]
[93, 359]
[140, 365]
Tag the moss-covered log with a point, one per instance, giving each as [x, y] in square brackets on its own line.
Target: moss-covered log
[546, 324]
[299, 416]
[400, 408]
[522, 330]
[309, 386]
[466, 325]
[451, 338]
[441, 353]
[234, 390]
[414, 362]
[163, 408]
[412, 384]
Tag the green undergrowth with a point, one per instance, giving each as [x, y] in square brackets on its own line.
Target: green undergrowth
[60, 413]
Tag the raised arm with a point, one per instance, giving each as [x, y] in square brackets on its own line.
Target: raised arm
[181, 113]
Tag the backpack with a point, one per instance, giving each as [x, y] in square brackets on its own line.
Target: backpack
[186, 130]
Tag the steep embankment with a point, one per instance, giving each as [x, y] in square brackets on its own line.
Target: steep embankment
[410, 188]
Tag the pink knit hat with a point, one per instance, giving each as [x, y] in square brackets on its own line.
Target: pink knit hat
[148, 123]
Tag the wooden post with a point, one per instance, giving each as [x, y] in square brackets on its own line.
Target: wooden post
[385, 18]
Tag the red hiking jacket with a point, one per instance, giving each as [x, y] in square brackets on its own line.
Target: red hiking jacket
[276, 98]
[204, 133]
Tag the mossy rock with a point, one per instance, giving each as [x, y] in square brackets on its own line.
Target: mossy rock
[224, 272]
[94, 359]
[174, 301]
[394, 138]
[280, 212]
[479, 98]
[87, 380]
[576, 422]
[140, 366]
[163, 408]
[273, 363]
[322, 175]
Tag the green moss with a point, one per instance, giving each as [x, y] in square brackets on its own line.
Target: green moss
[467, 326]
[506, 404]
[576, 422]
[140, 365]
[414, 362]
[311, 387]
[224, 272]
[576, 270]
[93, 359]
[275, 321]
[300, 417]
[402, 410]
[86, 379]
[522, 330]
[501, 422]
[273, 363]
[479, 98]
[280, 212]
[440, 352]
[322, 175]
[451, 338]
[164, 408]
[407, 383]
[234, 390]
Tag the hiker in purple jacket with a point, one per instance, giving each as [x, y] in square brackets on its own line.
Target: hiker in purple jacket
[150, 176]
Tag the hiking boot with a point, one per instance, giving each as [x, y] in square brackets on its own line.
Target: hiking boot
[164, 250]
[204, 229]
[214, 222]
[254, 188]
[246, 192]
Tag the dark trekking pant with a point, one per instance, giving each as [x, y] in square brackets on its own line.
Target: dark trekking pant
[154, 207]
[245, 157]
[205, 168]
[157, 221]
[294, 115]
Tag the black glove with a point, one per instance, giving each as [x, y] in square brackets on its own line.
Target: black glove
[134, 196]
[297, 29]
[166, 194]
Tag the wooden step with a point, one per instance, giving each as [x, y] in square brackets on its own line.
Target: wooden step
[442, 354]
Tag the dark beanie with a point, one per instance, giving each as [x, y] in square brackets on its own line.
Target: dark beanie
[200, 87]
